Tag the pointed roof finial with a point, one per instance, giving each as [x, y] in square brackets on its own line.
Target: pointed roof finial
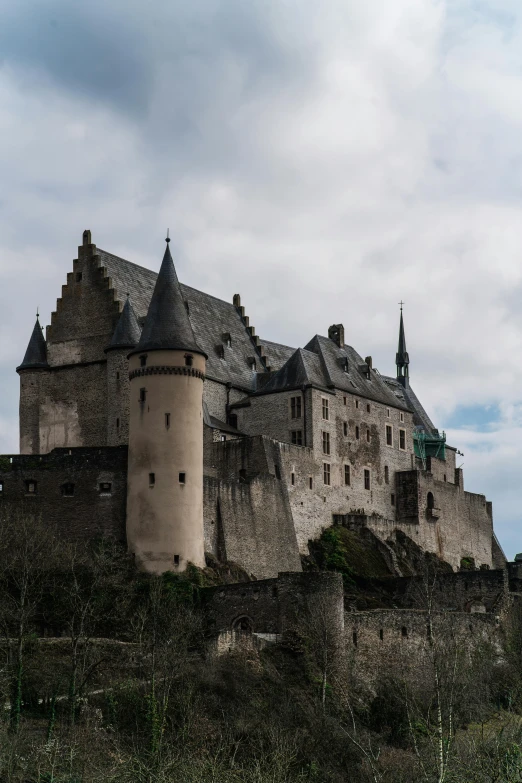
[167, 239]
[401, 304]
[402, 359]
[37, 313]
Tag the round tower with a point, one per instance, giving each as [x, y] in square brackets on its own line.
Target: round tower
[165, 473]
[32, 384]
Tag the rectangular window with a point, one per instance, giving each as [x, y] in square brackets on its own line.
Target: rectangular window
[402, 416]
[143, 361]
[368, 435]
[402, 440]
[366, 479]
[347, 477]
[176, 560]
[311, 482]
[68, 490]
[344, 400]
[167, 421]
[152, 479]
[105, 488]
[326, 473]
[117, 424]
[293, 479]
[189, 360]
[357, 433]
[30, 487]
[388, 413]
[297, 437]
[326, 442]
[389, 435]
[386, 474]
[393, 499]
[326, 415]
[182, 478]
[345, 428]
[368, 408]
[295, 407]
[356, 403]
[277, 472]
[143, 395]
[117, 376]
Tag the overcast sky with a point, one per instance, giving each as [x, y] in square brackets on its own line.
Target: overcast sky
[323, 159]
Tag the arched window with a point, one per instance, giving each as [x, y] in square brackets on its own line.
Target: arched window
[431, 501]
[243, 624]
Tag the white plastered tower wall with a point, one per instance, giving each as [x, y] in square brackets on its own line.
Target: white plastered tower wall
[165, 469]
[165, 479]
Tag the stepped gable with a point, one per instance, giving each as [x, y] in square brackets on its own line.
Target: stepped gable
[347, 371]
[302, 369]
[420, 417]
[127, 333]
[210, 317]
[36, 353]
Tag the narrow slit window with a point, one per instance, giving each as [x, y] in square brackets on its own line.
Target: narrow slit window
[368, 408]
[356, 403]
[357, 433]
[31, 487]
[392, 499]
[404, 632]
[293, 479]
[143, 361]
[1, 487]
[277, 472]
[402, 416]
[117, 376]
[344, 400]
[381, 634]
[345, 428]
[182, 478]
[189, 360]
[167, 421]
[117, 424]
[368, 436]
[176, 560]
[386, 474]
[311, 482]
[143, 395]
[354, 638]
[347, 476]
[152, 479]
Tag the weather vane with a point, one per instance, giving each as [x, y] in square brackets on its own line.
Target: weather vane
[168, 238]
[401, 304]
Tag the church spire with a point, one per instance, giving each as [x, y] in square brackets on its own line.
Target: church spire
[167, 325]
[36, 353]
[402, 359]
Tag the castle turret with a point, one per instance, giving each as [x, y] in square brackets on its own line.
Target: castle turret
[30, 372]
[165, 476]
[126, 337]
[402, 359]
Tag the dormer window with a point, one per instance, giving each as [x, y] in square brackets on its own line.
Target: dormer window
[189, 360]
[227, 339]
[220, 351]
[252, 363]
[345, 365]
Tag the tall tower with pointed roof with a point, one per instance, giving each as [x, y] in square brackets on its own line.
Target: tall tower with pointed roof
[126, 337]
[34, 363]
[165, 474]
[402, 360]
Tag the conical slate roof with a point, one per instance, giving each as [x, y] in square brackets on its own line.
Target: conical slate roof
[127, 333]
[167, 325]
[36, 353]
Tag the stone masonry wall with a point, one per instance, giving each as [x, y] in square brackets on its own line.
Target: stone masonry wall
[91, 512]
[118, 390]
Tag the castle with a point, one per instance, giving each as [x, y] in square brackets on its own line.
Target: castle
[153, 412]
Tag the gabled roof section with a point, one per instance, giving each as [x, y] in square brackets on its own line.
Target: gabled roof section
[347, 371]
[303, 368]
[420, 417]
[127, 333]
[167, 325]
[36, 353]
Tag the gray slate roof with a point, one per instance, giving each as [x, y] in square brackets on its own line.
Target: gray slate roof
[167, 325]
[302, 369]
[36, 353]
[420, 417]
[127, 332]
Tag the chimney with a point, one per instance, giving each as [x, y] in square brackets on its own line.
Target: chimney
[369, 362]
[336, 333]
